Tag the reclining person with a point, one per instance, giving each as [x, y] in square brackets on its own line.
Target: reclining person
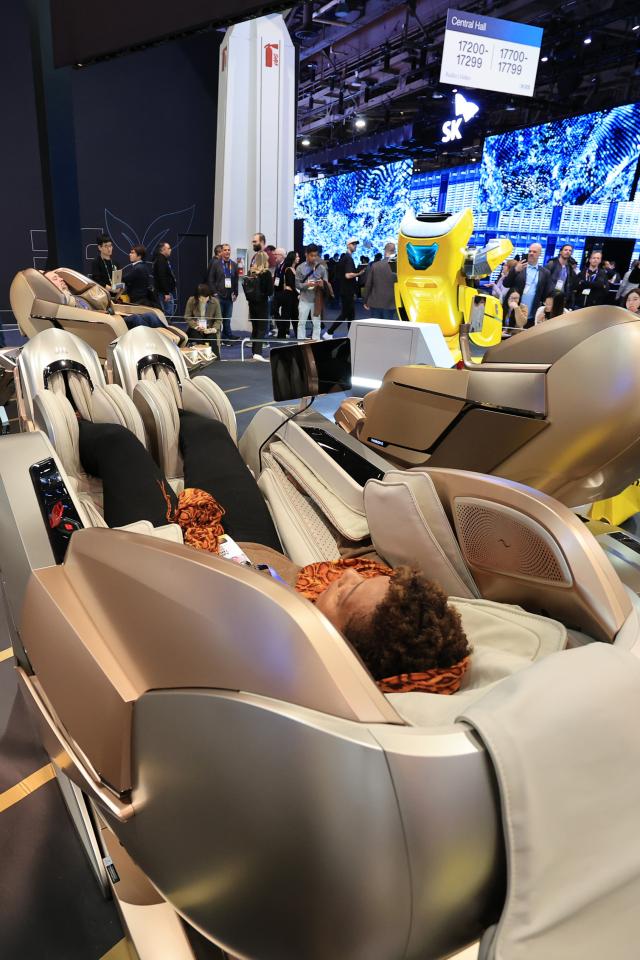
[149, 319]
[400, 623]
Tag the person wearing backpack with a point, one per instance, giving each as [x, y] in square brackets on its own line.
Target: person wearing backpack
[258, 287]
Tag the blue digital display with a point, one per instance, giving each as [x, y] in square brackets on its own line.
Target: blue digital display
[570, 177]
[587, 159]
[368, 204]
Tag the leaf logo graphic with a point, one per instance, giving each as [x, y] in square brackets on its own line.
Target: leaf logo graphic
[167, 228]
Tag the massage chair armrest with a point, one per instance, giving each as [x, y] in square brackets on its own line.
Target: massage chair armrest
[465, 350]
[63, 314]
[140, 308]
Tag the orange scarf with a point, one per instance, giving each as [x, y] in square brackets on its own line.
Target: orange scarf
[316, 577]
[442, 680]
[199, 516]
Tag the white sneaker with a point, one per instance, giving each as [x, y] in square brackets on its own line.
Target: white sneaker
[327, 336]
[258, 356]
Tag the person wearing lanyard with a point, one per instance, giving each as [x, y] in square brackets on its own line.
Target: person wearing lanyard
[277, 301]
[103, 266]
[592, 286]
[222, 280]
[562, 270]
[530, 280]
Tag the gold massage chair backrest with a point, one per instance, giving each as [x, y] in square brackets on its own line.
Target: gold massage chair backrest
[556, 408]
[38, 305]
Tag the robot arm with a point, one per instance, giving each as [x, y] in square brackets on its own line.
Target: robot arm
[481, 261]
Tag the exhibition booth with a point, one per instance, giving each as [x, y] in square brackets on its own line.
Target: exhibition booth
[334, 656]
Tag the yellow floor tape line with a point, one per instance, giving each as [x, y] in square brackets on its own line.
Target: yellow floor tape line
[29, 785]
[6, 654]
[119, 952]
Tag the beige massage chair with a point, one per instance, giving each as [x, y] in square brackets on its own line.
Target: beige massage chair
[556, 407]
[243, 770]
[38, 305]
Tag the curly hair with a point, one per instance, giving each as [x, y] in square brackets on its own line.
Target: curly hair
[412, 630]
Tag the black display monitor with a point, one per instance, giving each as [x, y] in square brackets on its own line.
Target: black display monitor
[310, 369]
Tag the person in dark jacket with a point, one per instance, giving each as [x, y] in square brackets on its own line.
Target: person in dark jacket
[165, 281]
[289, 297]
[137, 277]
[258, 289]
[103, 266]
[563, 272]
[348, 287]
[530, 280]
[222, 280]
[592, 286]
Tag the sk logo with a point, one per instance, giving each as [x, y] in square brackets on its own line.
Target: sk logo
[168, 228]
[465, 111]
[271, 54]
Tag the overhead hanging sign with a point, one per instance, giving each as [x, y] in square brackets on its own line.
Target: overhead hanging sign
[490, 54]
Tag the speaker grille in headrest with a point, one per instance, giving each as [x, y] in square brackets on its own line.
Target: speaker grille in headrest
[500, 539]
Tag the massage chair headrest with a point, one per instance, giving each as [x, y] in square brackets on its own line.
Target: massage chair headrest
[551, 340]
[96, 296]
[40, 287]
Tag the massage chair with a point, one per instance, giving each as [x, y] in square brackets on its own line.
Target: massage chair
[556, 407]
[242, 769]
[38, 305]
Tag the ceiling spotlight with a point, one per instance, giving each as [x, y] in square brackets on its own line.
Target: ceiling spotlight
[544, 59]
[636, 27]
[587, 40]
[306, 142]
[361, 123]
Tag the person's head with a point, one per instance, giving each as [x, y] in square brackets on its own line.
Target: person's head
[225, 251]
[291, 259]
[554, 304]
[105, 246]
[595, 259]
[202, 291]
[312, 254]
[279, 253]
[164, 249]
[513, 299]
[609, 264]
[217, 250]
[389, 250]
[377, 257]
[260, 264]
[398, 624]
[632, 301]
[352, 245]
[258, 241]
[533, 254]
[57, 280]
[566, 252]
[137, 253]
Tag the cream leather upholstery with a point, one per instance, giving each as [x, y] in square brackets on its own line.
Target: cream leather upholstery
[38, 305]
[52, 367]
[153, 373]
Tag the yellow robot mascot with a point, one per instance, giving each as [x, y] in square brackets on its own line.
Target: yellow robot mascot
[434, 268]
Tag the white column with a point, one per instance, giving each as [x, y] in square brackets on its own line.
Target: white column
[255, 149]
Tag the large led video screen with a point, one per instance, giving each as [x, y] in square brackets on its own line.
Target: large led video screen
[581, 160]
[368, 204]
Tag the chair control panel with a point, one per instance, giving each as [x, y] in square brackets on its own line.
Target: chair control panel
[356, 466]
[58, 511]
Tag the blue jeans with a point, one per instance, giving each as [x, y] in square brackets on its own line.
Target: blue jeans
[226, 309]
[2, 340]
[142, 320]
[383, 313]
[168, 307]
